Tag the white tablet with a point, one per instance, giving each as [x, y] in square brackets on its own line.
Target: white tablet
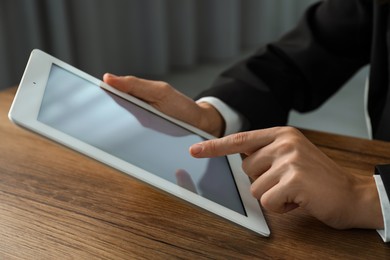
[79, 111]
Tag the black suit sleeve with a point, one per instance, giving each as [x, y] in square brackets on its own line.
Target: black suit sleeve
[302, 69]
[384, 172]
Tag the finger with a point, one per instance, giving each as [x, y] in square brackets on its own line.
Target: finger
[260, 161]
[147, 90]
[265, 182]
[244, 142]
[279, 199]
[257, 163]
[114, 81]
[275, 191]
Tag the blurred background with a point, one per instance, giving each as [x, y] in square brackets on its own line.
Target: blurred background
[184, 42]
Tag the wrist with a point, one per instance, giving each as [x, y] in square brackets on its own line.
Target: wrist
[368, 212]
[211, 120]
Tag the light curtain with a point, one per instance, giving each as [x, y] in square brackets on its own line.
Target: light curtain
[140, 37]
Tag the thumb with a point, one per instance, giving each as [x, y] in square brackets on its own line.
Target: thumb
[147, 90]
[115, 81]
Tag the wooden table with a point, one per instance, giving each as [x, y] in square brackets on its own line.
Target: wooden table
[58, 204]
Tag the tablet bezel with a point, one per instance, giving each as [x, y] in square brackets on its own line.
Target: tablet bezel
[25, 109]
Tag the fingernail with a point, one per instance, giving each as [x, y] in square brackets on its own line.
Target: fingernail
[110, 75]
[196, 149]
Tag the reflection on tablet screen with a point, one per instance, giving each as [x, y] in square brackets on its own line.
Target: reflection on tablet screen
[106, 121]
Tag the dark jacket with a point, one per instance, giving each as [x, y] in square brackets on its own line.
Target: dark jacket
[333, 40]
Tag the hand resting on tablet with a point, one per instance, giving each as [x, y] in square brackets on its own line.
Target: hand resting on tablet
[171, 102]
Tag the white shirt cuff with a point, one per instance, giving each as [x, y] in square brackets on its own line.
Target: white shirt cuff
[234, 121]
[385, 205]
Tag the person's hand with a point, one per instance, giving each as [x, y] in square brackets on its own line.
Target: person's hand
[171, 102]
[289, 172]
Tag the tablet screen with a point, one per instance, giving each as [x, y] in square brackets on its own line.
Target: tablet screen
[119, 127]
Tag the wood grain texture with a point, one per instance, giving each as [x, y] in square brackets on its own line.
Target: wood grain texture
[58, 204]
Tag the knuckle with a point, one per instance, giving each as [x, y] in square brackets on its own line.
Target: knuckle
[265, 202]
[164, 86]
[131, 82]
[131, 79]
[252, 171]
[245, 167]
[248, 170]
[295, 177]
[288, 130]
[289, 140]
[254, 192]
[239, 139]
[212, 146]
[286, 146]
